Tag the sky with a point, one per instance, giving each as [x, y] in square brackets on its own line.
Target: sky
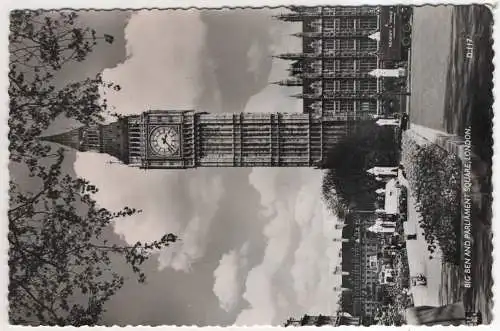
[256, 243]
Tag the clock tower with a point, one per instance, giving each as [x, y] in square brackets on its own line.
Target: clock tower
[180, 139]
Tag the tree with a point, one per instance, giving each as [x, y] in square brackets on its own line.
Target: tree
[56, 254]
[368, 145]
[41, 44]
[59, 265]
[389, 315]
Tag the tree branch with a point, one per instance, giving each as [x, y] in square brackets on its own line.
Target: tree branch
[30, 201]
[40, 303]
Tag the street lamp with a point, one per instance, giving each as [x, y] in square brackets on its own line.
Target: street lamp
[360, 211]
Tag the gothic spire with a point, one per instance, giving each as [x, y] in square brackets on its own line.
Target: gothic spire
[306, 96]
[290, 17]
[72, 138]
[110, 138]
[303, 34]
[289, 82]
[292, 56]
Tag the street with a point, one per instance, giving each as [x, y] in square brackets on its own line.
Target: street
[430, 57]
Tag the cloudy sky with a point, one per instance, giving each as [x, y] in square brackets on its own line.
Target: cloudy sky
[256, 243]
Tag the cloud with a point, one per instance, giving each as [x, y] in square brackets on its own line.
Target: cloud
[292, 197]
[255, 55]
[284, 199]
[275, 98]
[176, 202]
[259, 293]
[300, 229]
[295, 275]
[228, 285]
[315, 257]
[162, 70]
[204, 191]
[164, 54]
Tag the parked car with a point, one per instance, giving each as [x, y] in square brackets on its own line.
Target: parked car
[419, 280]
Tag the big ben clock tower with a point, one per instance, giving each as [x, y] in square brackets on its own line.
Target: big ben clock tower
[180, 139]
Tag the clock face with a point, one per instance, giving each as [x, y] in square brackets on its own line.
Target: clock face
[165, 140]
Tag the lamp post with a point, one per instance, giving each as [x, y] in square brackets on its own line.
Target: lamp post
[360, 211]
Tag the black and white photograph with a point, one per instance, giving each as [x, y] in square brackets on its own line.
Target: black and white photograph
[276, 166]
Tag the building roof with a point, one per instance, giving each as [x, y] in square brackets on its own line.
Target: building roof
[72, 138]
[111, 138]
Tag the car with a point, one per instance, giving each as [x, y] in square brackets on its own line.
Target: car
[419, 280]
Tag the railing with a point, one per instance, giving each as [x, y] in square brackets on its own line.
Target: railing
[348, 53]
[336, 33]
[349, 95]
[344, 74]
[350, 11]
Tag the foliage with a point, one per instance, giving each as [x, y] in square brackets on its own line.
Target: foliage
[56, 253]
[390, 315]
[368, 145]
[59, 265]
[434, 176]
[333, 201]
[41, 44]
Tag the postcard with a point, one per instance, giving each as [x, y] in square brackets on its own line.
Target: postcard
[286, 166]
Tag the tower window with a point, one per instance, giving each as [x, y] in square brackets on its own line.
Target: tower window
[368, 85]
[367, 22]
[346, 85]
[346, 44]
[331, 65]
[346, 106]
[366, 65]
[346, 23]
[367, 45]
[346, 65]
[330, 44]
[329, 23]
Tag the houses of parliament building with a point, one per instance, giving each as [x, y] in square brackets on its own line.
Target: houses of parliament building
[339, 50]
[333, 70]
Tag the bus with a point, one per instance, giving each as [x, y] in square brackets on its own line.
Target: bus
[395, 32]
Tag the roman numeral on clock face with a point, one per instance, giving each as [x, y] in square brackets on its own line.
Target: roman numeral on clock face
[165, 141]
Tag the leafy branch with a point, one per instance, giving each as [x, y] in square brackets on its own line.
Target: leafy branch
[60, 265]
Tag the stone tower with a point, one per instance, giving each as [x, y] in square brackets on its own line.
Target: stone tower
[177, 139]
